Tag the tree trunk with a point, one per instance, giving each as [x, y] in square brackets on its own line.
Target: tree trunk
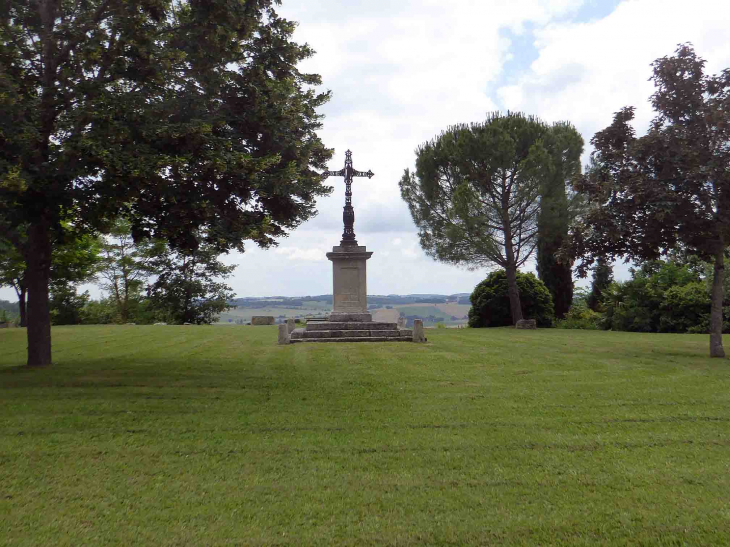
[716, 349]
[20, 291]
[514, 294]
[22, 307]
[37, 278]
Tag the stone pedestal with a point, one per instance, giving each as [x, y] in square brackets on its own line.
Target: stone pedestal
[349, 283]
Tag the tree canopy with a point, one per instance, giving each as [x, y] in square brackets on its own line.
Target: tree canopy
[176, 115]
[669, 189]
[475, 194]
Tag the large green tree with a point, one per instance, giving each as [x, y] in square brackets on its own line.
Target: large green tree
[565, 146]
[177, 115]
[670, 188]
[475, 194]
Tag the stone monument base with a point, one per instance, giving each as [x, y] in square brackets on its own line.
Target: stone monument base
[351, 331]
[349, 317]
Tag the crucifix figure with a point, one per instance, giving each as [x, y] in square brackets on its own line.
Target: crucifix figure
[348, 214]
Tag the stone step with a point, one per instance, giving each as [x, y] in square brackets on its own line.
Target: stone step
[356, 339]
[350, 333]
[359, 325]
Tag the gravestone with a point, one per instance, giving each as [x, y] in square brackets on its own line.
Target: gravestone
[526, 324]
[262, 320]
[289, 325]
[283, 334]
[418, 334]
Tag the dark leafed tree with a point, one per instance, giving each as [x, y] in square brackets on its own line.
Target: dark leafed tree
[670, 188]
[565, 146]
[475, 194]
[176, 115]
[188, 286]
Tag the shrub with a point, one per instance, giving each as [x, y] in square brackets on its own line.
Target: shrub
[581, 317]
[490, 301]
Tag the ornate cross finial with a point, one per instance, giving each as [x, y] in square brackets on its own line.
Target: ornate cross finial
[348, 214]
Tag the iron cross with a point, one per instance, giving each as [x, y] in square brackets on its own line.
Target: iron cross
[348, 213]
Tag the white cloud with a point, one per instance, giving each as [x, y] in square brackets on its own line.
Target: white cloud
[308, 255]
[586, 71]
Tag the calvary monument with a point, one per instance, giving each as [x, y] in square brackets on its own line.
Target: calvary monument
[349, 320]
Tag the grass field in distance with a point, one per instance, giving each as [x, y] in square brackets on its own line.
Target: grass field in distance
[443, 312]
[187, 435]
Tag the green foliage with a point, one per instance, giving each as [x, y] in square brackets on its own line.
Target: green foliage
[467, 179]
[187, 288]
[662, 296]
[580, 317]
[67, 307]
[490, 301]
[602, 278]
[11, 308]
[565, 146]
[100, 312]
[126, 268]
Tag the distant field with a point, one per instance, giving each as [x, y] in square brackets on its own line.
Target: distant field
[386, 316]
[246, 313]
[197, 435]
[459, 310]
[317, 308]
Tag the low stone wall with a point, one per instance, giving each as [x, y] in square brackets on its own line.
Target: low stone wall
[526, 324]
[262, 320]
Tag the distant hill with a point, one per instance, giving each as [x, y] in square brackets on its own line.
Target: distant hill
[374, 300]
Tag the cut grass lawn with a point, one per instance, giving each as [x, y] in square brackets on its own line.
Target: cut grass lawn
[210, 436]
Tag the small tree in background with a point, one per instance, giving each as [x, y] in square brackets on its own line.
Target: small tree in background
[188, 286]
[490, 301]
[126, 267]
[669, 189]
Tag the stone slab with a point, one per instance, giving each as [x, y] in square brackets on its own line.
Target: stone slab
[262, 320]
[526, 324]
[348, 317]
[354, 325]
[355, 339]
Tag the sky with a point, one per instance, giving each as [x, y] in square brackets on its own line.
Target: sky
[402, 72]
